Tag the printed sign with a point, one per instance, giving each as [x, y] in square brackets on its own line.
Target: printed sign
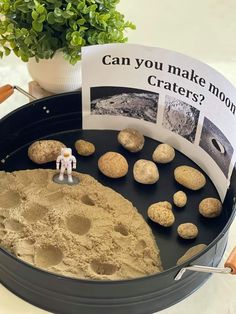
[166, 95]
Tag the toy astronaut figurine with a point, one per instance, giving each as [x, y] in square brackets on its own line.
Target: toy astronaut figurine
[67, 161]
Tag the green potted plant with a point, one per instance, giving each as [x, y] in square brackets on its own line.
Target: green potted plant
[50, 33]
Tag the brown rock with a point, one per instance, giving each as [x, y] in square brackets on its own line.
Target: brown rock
[161, 213]
[180, 199]
[163, 154]
[189, 177]
[113, 165]
[45, 151]
[145, 171]
[84, 148]
[131, 139]
[187, 231]
[210, 207]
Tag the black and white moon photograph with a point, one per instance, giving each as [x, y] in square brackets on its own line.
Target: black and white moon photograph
[215, 143]
[180, 118]
[125, 102]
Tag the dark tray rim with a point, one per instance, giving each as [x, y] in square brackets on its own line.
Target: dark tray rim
[107, 282]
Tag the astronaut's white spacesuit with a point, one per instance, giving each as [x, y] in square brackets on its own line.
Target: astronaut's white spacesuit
[67, 161]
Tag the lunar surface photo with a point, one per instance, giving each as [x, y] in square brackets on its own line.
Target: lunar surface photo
[214, 142]
[180, 118]
[126, 102]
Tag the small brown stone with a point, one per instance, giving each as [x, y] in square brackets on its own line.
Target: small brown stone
[187, 231]
[210, 207]
[189, 177]
[180, 199]
[45, 151]
[84, 148]
[163, 154]
[131, 139]
[161, 213]
[113, 165]
[145, 171]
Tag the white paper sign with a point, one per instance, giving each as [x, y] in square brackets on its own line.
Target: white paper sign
[166, 95]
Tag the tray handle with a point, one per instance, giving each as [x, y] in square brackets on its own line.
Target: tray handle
[5, 92]
[231, 261]
[229, 267]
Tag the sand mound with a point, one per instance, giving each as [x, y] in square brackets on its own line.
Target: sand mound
[82, 231]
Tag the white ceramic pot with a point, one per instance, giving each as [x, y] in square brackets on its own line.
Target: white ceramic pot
[56, 75]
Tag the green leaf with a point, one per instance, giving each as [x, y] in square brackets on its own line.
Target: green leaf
[80, 6]
[68, 36]
[10, 28]
[92, 8]
[3, 42]
[51, 18]
[31, 5]
[59, 20]
[28, 41]
[16, 51]
[34, 15]
[68, 7]
[24, 31]
[130, 25]
[12, 45]
[81, 21]
[6, 7]
[38, 27]
[77, 40]
[41, 18]
[24, 57]
[23, 8]
[40, 9]
[74, 26]
[2, 31]
[57, 12]
[82, 29]
[10, 37]
[85, 9]
[67, 14]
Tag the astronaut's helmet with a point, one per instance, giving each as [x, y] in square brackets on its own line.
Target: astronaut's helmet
[66, 152]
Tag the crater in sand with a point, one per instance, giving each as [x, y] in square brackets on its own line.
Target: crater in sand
[101, 268]
[2, 233]
[141, 245]
[9, 199]
[54, 197]
[13, 225]
[78, 224]
[87, 200]
[48, 255]
[34, 212]
[121, 229]
[2, 218]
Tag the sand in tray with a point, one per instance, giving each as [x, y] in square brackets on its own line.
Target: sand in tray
[82, 231]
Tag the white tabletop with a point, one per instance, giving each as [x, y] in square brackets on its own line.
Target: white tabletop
[203, 29]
